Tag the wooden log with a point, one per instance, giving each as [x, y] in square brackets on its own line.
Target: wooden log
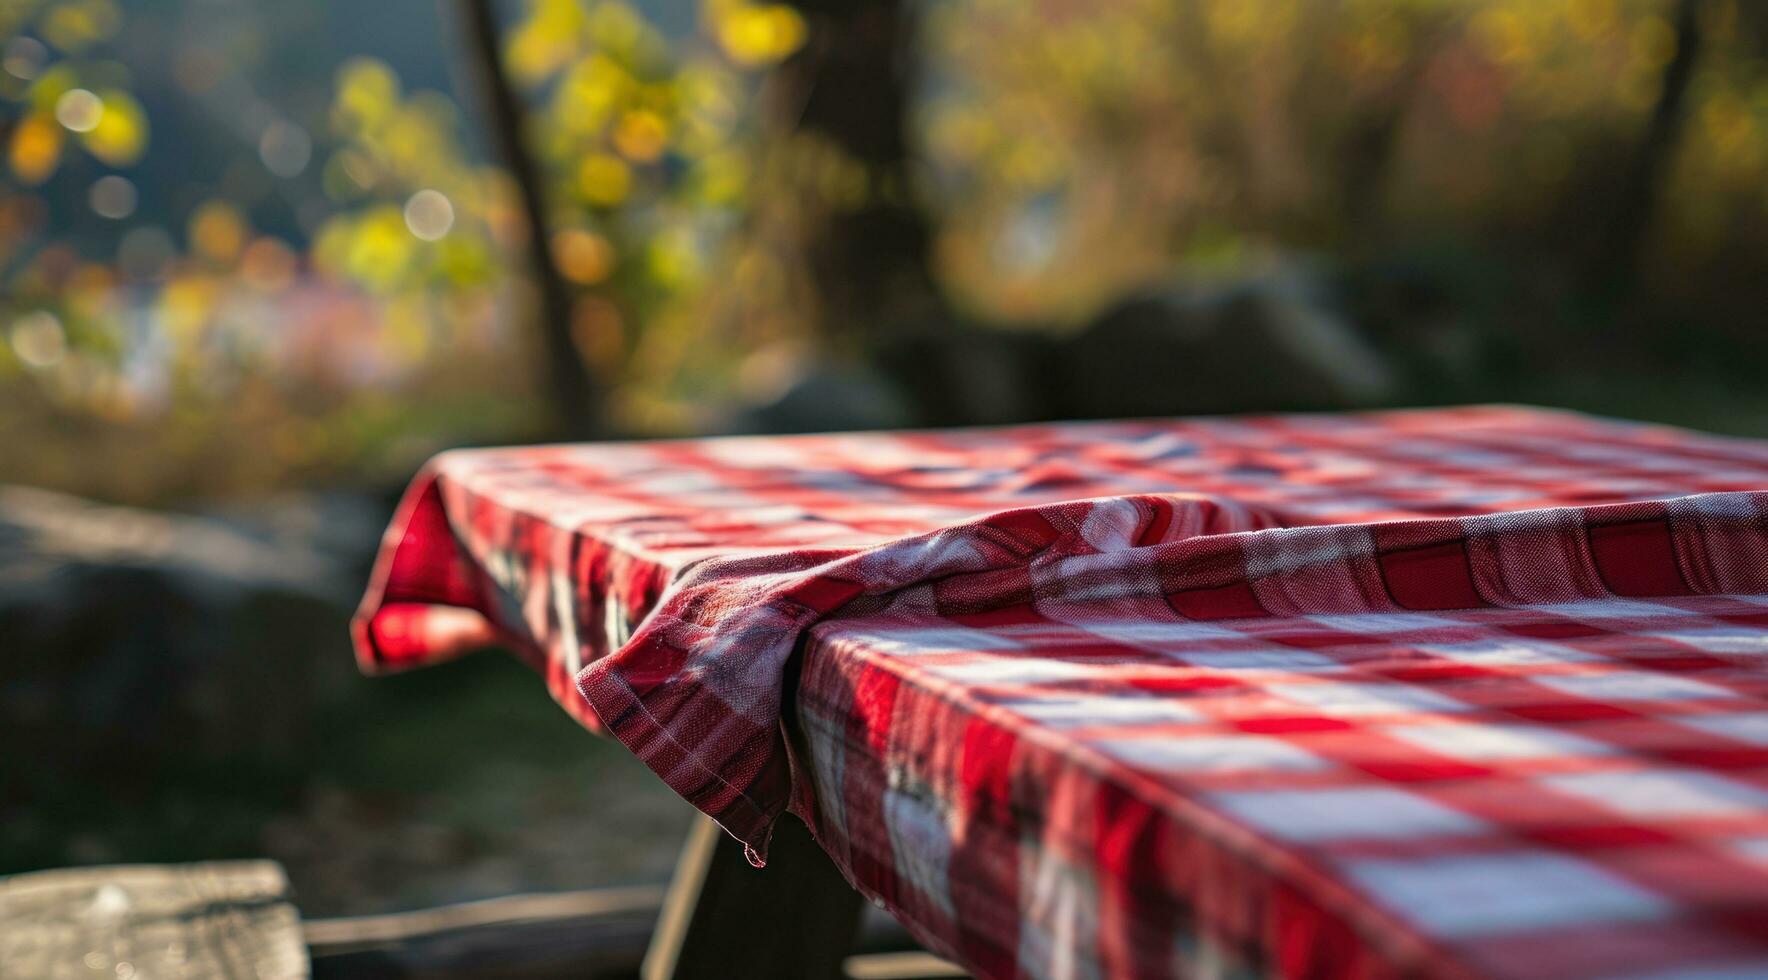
[597, 934]
[584, 935]
[608, 946]
[901, 966]
[210, 920]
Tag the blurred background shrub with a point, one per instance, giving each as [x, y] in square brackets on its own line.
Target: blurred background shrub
[246, 244]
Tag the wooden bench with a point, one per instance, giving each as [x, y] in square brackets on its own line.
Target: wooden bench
[236, 919]
[209, 920]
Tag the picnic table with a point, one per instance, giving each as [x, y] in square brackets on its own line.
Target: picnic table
[1455, 692]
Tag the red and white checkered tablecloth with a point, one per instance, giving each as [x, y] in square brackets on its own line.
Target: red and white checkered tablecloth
[1465, 692]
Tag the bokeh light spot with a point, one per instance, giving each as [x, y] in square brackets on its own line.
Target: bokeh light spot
[35, 149]
[599, 332]
[38, 340]
[429, 214]
[285, 148]
[641, 136]
[603, 179]
[24, 57]
[217, 230]
[120, 134]
[79, 110]
[757, 35]
[267, 265]
[582, 256]
[112, 197]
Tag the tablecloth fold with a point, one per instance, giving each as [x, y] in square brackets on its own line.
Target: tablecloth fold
[696, 693]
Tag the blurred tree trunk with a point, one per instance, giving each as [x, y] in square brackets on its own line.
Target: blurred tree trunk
[1372, 142]
[572, 393]
[1618, 256]
[848, 86]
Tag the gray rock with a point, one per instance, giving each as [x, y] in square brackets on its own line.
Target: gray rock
[957, 374]
[828, 398]
[1268, 343]
[128, 636]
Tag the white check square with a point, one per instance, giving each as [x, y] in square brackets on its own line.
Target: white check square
[1486, 894]
[937, 639]
[1367, 624]
[1333, 698]
[1157, 635]
[1211, 753]
[1633, 685]
[1374, 812]
[1753, 848]
[1016, 670]
[922, 842]
[1719, 639]
[1488, 742]
[1664, 793]
[1082, 711]
[1507, 653]
[1599, 609]
[1274, 658]
[1751, 727]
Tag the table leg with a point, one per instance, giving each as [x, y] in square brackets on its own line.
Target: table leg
[796, 919]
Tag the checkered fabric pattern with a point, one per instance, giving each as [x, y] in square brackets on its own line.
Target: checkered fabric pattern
[1469, 692]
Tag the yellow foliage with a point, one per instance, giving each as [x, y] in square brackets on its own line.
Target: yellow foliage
[587, 97]
[1503, 35]
[674, 259]
[756, 35]
[1031, 165]
[1653, 42]
[723, 177]
[368, 91]
[603, 179]
[379, 249]
[641, 136]
[1593, 19]
[410, 140]
[709, 104]
[583, 257]
[465, 261]
[548, 40]
[36, 149]
[217, 231]
[120, 137]
[185, 305]
[616, 27]
[75, 26]
[406, 328]
[331, 246]
[960, 133]
[50, 86]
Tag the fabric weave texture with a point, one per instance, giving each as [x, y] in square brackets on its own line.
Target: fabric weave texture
[1456, 692]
